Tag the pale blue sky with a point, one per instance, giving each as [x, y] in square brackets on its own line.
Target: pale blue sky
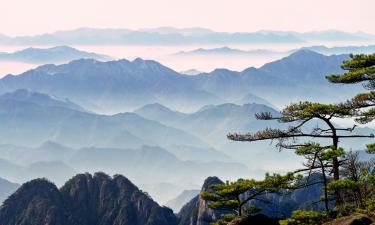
[22, 17]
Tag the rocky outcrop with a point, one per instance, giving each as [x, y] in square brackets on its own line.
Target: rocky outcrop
[84, 200]
[34, 203]
[196, 211]
[360, 219]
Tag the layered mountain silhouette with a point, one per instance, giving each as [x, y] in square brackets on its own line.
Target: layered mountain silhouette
[34, 120]
[151, 165]
[84, 200]
[211, 122]
[112, 86]
[292, 78]
[227, 51]
[122, 85]
[6, 189]
[179, 201]
[24, 95]
[58, 54]
[170, 35]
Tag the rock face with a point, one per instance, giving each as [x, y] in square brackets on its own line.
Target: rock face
[196, 211]
[36, 202]
[84, 200]
[352, 220]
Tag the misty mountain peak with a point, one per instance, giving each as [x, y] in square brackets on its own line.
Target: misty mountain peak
[304, 53]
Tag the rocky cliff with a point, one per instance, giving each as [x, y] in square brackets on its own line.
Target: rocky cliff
[84, 200]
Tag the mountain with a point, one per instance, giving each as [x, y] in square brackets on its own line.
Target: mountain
[29, 124]
[212, 122]
[196, 211]
[84, 200]
[48, 151]
[183, 198]
[117, 86]
[6, 189]
[113, 86]
[198, 154]
[273, 205]
[173, 36]
[151, 165]
[159, 113]
[11, 171]
[193, 31]
[294, 78]
[226, 51]
[251, 98]
[24, 95]
[58, 54]
[57, 171]
[365, 49]
[215, 122]
[335, 35]
[160, 36]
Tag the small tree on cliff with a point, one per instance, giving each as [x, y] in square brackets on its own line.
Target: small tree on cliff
[235, 196]
[317, 159]
[299, 132]
[360, 69]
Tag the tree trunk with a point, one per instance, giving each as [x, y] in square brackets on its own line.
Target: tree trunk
[325, 186]
[335, 162]
[336, 172]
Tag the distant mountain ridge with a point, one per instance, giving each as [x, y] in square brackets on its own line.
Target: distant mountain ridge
[113, 86]
[58, 54]
[227, 51]
[117, 86]
[170, 36]
[32, 123]
[6, 189]
[40, 99]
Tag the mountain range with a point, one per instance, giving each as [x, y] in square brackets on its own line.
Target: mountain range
[227, 51]
[117, 86]
[173, 36]
[56, 55]
[56, 112]
[234, 52]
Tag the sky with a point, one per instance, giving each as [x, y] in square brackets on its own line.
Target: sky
[25, 17]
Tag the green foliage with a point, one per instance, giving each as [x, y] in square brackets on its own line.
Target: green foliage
[308, 110]
[370, 204]
[371, 148]
[361, 68]
[342, 184]
[234, 196]
[300, 217]
[251, 210]
[224, 219]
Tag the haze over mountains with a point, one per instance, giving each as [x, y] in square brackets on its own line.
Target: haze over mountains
[142, 119]
[117, 86]
[173, 36]
[227, 51]
[57, 55]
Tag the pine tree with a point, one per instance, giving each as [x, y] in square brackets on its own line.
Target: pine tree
[294, 137]
[360, 69]
[235, 196]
